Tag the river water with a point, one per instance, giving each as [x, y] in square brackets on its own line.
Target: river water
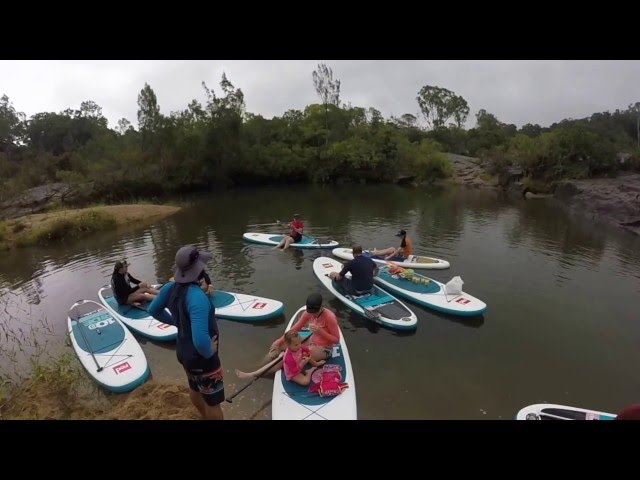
[562, 324]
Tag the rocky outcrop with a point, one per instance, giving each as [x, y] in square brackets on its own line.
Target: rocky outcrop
[612, 200]
[36, 200]
[470, 171]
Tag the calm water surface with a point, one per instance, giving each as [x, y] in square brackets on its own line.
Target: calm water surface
[562, 323]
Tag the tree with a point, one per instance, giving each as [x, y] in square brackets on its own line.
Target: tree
[328, 89]
[636, 109]
[438, 105]
[123, 126]
[148, 112]
[11, 124]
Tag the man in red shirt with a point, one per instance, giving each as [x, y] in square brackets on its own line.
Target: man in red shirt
[297, 228]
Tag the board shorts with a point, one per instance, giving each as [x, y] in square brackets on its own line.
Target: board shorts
[208, 384]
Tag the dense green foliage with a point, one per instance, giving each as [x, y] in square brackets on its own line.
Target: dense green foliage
[219, 143]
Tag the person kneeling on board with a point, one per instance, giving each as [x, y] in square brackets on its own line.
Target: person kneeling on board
[197, 343]
[362, 269]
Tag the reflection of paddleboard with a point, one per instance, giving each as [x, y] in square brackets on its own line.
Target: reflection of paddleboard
[107, 350]
[137, 319]
[291, 401]
[275, 239]
[550, 411]
[245, 308]
[412, 261]
[379, 307]
[431, 294]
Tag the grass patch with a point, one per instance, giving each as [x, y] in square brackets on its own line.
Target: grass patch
[3, 230]
[72, 226]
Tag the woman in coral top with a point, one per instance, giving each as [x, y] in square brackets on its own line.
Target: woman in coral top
[323, 324]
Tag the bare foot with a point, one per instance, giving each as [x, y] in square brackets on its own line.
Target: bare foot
[243, 375]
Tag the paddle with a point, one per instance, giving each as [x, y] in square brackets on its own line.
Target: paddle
[80, 327]
[263, 224]
[256, 377]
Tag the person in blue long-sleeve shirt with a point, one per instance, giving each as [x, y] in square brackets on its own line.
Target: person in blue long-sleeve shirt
[193, 313]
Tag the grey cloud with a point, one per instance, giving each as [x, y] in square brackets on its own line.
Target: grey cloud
[516, 92]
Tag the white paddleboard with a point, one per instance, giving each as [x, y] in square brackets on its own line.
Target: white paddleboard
[275, 238]
[380, 307]
[245, 308]
[137, 319]
[291, 401]
[107, 350]
[412, 261]
[551, 411]
[431, 294]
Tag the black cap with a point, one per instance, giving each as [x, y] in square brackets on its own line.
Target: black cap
[314, 303]
[120, 264]
[401, 233]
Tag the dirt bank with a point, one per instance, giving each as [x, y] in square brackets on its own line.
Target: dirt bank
[42, 228]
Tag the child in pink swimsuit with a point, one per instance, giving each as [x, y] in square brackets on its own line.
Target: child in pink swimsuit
[295, 359]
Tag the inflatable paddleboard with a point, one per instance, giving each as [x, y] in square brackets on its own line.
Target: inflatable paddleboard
[429, 293]
[550, 411]
[380, 306]
[412, 261]
[245, 308]
[291, 401]
[137, 318]
[107, 350]
[275, 239]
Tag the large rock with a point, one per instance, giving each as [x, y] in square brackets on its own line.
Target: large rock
[612, 200]
[35, 200]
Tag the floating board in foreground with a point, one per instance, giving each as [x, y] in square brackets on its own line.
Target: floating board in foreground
[550, 411]
[412, 261]
[380, 306]
[429, 293]
[107, 350]
[291, 401]
[275, 239]
[136, 318]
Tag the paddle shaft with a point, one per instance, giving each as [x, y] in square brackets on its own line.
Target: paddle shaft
[265, 369]
[80, 327]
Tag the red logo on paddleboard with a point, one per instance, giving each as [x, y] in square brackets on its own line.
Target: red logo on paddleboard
[327, 265]
[462, 300]
[163, 326]
[122, 367]
[259, 305]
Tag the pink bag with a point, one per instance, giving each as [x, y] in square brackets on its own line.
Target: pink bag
[326, 381]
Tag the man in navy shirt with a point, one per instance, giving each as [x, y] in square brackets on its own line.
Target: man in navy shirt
[362, 269]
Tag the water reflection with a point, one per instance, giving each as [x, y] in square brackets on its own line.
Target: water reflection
[545, 276]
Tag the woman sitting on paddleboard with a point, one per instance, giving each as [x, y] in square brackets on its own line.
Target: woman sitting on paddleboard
[399, 254]
[297, 227]
[324, 330]
[125, 294]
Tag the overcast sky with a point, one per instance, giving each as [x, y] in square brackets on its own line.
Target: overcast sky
[516, 92]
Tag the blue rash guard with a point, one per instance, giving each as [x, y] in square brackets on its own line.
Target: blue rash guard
[194, 315]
